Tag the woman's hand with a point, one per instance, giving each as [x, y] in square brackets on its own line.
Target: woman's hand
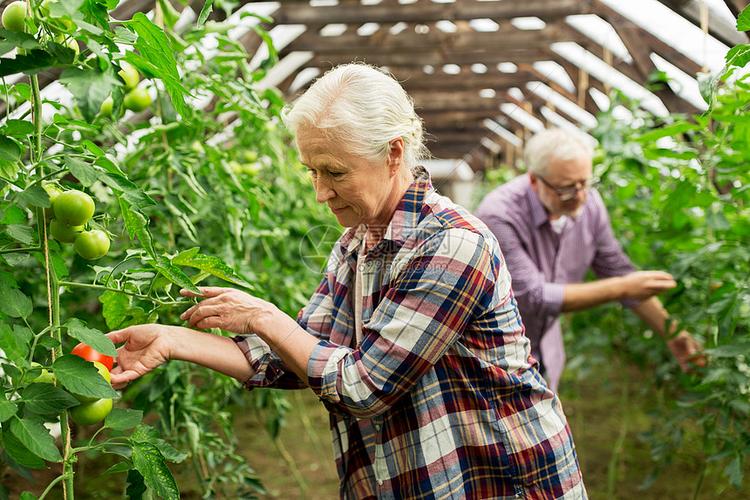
[146, 347]
[228, 309]
[687, 351]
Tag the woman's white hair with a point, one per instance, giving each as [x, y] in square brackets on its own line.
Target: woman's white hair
[555, 144]
[362, 107]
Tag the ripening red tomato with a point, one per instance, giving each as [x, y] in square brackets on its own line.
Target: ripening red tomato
[88, 353]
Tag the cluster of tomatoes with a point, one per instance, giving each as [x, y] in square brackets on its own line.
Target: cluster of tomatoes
[137, 97]
[72, 210]
[91, 410]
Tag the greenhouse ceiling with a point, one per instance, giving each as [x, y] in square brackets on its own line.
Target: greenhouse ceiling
[484, 72]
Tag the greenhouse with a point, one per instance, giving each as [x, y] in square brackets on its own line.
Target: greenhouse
[392, 249]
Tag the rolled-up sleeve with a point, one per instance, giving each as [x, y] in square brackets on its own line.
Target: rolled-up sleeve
[269, 370]
[447, 282]
[533, 292]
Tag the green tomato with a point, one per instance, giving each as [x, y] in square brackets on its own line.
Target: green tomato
[129, 75]
[91, 413]
[14, 16]
[104, 372]
[92, 245]
[106, 107]
[137, 99]
[46, 377]
[62, 232]
[73, 208]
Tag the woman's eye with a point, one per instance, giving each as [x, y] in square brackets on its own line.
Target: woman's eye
[337, 175]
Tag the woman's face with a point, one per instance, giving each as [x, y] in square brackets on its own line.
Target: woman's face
[356, 190]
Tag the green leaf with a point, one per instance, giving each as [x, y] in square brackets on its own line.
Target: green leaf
[34, 436]
[137, 226]
[27, 495]
[132, 193]
[10, 156]
[115, 308]
[89, 87]
[121, 419]
[19, 453]
[118, 468]
[733, 471]
[174, 274]
[156, 58]
[13, 214]
[670, 130]
[15, 342]
[91, 336]
[47, 399]
[7, 409]
[19, 129]
[135, 485]
[12, 39]
[743, 20]
[739, 55]
[34, 62]
[211, 265]
[205, 12]
[148, 460]
[35, 196]
[82, 171]
[147, 434]
[81, 377]
[14, 303]
[21, 233]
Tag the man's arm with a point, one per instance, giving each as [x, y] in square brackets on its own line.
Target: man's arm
[638, 286]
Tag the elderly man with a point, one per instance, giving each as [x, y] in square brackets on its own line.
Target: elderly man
[552, 227]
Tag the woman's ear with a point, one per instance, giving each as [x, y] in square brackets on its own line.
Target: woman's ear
[395, 155]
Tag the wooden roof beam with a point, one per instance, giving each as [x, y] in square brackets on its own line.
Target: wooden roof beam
[426, 12]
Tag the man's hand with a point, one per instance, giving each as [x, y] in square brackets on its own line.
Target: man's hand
[687, 351]
[146, 347]
[641, 285]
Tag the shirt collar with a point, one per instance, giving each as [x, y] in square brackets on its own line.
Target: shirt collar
[538, 213]
[405, 218]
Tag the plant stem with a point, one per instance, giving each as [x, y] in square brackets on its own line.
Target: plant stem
[53, 293]
[20, 250]
[73, 284]
[50, 485]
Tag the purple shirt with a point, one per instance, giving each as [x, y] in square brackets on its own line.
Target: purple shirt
[541, 261]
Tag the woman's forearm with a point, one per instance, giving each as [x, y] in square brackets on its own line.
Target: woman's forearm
[212, 351]
[287, 339]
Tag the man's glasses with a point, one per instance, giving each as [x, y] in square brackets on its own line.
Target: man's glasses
[566, 193]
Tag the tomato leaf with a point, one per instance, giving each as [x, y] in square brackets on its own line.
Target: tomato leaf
[47, 399]
[205, 12]
[19, 453]
[136, 487]
[81, 377]
[82, 171]
[121, 419]
[15, 342]
[91, 336]
[10, 155]
[35, 196]
[33, 62]
[12, 39]
[34, 436]
[148, 460]
[137, 226]
[7, 409]
[743, 20]
[211, 265]
[174, 274]
[21, 233]
[156, 59]
[14, 303]
[89, 87]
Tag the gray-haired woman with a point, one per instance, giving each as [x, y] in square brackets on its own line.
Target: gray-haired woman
[412, 340]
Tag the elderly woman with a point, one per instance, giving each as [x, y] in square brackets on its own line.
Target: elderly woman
[412, 341]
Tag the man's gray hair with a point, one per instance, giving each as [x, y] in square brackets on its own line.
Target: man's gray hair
[362, 107]
[555, 144]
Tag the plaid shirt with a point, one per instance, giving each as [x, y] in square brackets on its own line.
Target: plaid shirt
[441, 399]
